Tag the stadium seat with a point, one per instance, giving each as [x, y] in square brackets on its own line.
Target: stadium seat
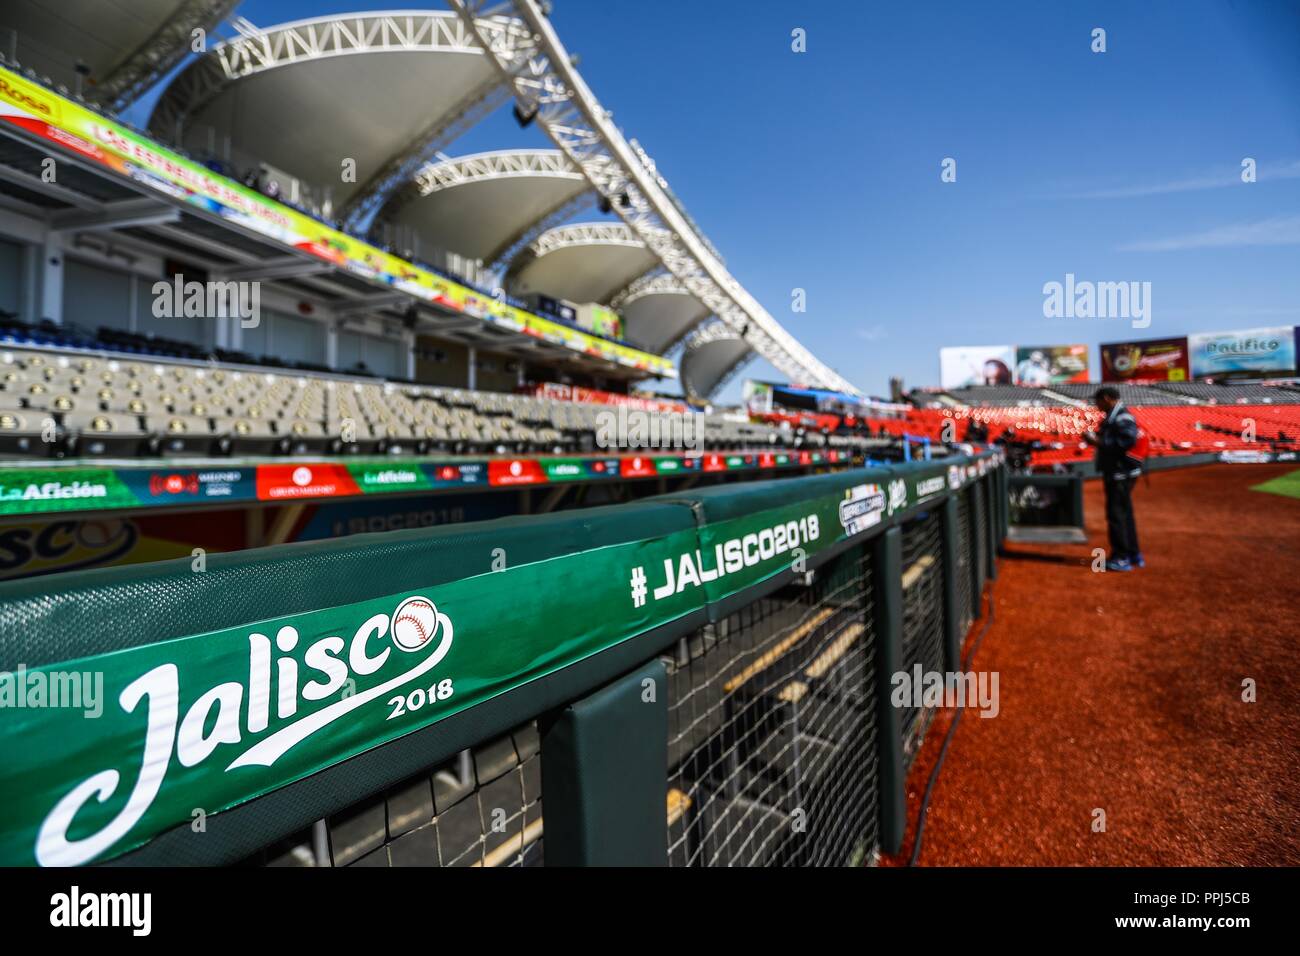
[95, 434]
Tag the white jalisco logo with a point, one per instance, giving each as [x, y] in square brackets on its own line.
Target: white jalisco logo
[229, 712]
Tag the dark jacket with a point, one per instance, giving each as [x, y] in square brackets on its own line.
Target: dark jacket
[1117, 434]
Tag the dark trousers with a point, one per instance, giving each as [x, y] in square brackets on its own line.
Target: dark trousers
[1119, 516]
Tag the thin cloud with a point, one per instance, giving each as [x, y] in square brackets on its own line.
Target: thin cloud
[1279, 231]
[873, 334]
[1263, 173]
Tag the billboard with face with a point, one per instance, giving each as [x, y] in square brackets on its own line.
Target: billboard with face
[1051, 364]
[966, 365]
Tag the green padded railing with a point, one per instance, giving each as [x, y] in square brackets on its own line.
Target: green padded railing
[276, 686]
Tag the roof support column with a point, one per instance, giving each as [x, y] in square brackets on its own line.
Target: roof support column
[230, 333]
[471, 365]
[332, 346]
[52, 267]
[29, 304]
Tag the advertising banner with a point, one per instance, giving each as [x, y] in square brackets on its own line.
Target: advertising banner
[56, 544]
[592, 396]
[757, 396]
[1150, 360]
[74, 543]
[601, 321]
[54, 118]
[1243, 353]
[36, 490]
[1051, 364]
[68, 488]
[966, 365]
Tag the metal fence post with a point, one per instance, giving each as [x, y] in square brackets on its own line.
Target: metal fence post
[1004, 493]
[1076, 502]
[951, 614]
[887, 586]
[975, 544]
[605, 774]
[995, 492]
[991, 526]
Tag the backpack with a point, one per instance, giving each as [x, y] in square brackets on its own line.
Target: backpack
[1141, 447]
[1140, 451]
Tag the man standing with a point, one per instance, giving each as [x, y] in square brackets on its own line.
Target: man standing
[1119, 470]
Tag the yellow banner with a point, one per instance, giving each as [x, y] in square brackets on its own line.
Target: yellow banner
[52, 117]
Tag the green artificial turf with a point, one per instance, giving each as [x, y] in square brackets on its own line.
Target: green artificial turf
[1287, 485]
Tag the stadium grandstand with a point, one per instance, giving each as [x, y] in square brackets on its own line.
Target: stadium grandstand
[1180, 418]
[386, 253]
[302, 402]
[417, 303]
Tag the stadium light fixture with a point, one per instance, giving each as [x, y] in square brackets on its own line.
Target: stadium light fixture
[524, 115]
[83, 73]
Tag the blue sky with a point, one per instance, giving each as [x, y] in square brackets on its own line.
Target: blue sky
[821, 170]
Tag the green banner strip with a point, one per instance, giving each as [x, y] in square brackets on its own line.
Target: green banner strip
[85, 485]
[42, 490]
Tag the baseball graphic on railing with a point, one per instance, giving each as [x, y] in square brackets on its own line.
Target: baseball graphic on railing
[414, 623]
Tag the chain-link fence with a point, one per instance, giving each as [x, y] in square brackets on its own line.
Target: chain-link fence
[484, 808]
[923, 615]
[772, 752]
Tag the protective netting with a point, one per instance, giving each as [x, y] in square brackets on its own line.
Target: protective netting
[772, 729]
[483, 808]
[923, 619]
[964, 584]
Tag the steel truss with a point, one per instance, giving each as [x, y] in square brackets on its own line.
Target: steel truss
[126, 81]
[585, 234]
[528, 53]
[505, 164]
[257, 50]
[656, 282]
[499, 164]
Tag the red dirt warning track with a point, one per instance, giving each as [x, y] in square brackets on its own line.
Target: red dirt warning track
[1124, 692]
